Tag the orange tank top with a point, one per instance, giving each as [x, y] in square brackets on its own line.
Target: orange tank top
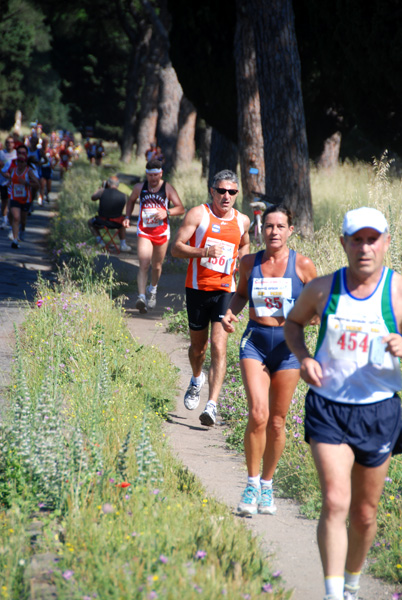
[212, 273]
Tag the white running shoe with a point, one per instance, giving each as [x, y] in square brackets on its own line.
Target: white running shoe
[124, 247]
[151, 298]
[266, 505]
[208, 415]
[141, 304]
[10, 235]
[351, 593]
[192, 395]
[249, 501]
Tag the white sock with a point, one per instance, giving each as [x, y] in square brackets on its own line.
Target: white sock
[334, 587]
[197, 380]
[266, 482]
[352, 579]
[141, 296]
[152, 289]
[254, 481]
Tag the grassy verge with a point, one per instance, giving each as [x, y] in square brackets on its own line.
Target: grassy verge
[83, 451]
[334, 193]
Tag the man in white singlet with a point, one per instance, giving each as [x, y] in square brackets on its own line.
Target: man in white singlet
[353, 412]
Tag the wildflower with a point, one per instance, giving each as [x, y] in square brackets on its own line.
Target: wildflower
[267, 588]
[125, 484]
[276, 574]
[200, 554]
[198, 588]
[398, 566]
[39, 303]
[107, 508]
[152, 595]
[156, 491]
[163, 559]
[68, 574]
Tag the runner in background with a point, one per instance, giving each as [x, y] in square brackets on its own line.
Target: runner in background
[153, 229]
[8, 154]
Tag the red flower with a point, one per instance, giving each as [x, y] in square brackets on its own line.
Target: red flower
[125, 484]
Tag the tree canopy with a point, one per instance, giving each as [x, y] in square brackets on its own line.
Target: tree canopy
[58, 60]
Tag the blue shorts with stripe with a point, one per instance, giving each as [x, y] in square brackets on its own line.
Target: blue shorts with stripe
[371, 430]
[267, 345]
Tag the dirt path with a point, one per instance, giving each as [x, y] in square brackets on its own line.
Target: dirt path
[288, 538]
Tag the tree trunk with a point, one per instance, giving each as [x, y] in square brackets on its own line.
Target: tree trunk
[185, 148]
[251, 142]
[205, 134]
[330, 155]
[138, 55]
[282, 113]
[170, 94]
[223, 155]
[148, 117]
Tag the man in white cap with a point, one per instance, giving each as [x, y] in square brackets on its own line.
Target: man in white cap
[353, 414]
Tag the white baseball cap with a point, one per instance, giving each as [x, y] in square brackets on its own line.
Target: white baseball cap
[364, 217]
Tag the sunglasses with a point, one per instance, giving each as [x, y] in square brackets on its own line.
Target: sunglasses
[222, 191]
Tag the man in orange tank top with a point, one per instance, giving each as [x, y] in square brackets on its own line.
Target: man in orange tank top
[213, 236]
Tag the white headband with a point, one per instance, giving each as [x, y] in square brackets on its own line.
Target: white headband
[153, 170]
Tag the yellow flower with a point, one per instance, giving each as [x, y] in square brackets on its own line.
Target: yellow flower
[398, 566]
[392, 497]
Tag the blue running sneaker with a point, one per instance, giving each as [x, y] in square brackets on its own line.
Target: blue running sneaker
[249, 501]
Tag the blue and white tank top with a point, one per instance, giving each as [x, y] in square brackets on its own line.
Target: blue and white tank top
[274, 296]
[345, 343]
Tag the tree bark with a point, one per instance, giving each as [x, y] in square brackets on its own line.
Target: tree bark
[170, 94]
[282, 112]
[205, 134]
[185, 148]
[251, 142]
[148, 117]
[223, 155]
[138, 54]
[330, 154]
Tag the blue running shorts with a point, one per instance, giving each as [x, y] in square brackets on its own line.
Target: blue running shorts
[371, 430]
[267, 345]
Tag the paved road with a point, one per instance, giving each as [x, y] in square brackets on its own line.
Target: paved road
[18, 273]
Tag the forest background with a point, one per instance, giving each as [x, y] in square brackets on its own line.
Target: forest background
[269, 84]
